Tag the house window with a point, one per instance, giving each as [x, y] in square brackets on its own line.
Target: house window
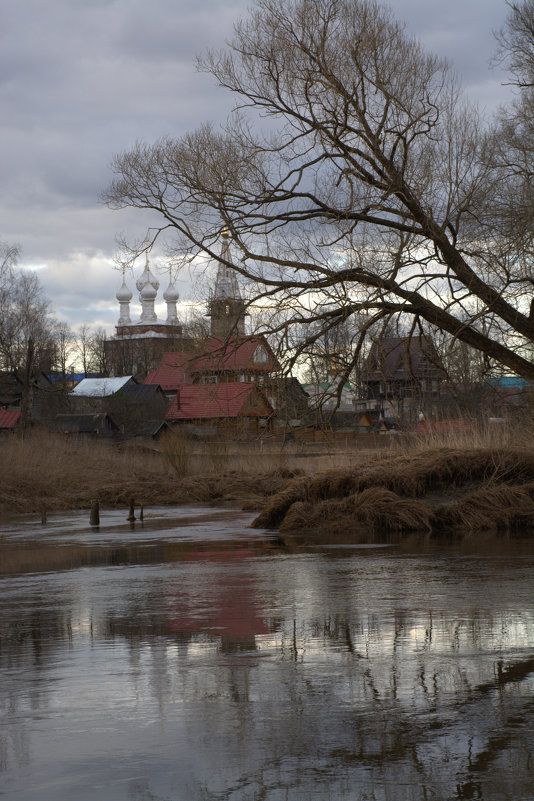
[209, 379]
[260, 355]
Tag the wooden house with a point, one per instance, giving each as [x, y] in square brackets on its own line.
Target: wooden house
[233, 407]
[84, 425]
[46, 398]
[404, 372]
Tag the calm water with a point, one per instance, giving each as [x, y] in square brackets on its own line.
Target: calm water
[192, 658]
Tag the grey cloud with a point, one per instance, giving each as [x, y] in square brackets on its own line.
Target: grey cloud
[81, 80]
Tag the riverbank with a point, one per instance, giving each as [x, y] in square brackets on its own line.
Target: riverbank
[439, 492]
[57, 474]
[435, 488]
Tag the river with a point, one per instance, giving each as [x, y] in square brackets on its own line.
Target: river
[187, 657]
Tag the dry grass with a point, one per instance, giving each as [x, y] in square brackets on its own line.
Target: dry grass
[500, 507]
[438, 490]
[61, 473]
[55, 472]
[450, 487]
[374, 508]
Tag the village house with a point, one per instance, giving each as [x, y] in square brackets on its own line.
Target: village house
[244, 388]
[236, 408]
[404, 374]
[128, 404]
[99, 425]
[46, 400]
[225, 383]
[327, 396]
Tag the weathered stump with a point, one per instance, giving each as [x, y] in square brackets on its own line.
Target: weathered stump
[94, 519]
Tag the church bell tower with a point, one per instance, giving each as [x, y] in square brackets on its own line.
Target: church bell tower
[226, 308]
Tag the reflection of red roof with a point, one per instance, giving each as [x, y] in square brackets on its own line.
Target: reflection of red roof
[171, 371]
[8, 419]
[228, 606]
[212, 401]
[219, 354]
[457, 424]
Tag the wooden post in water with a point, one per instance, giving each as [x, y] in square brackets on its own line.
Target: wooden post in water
[141, 513]
[94, 519]
[131, 513]
[43, 516]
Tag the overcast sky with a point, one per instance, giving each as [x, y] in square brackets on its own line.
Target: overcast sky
[81, 80]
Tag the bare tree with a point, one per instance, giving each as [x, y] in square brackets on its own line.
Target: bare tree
[369, 186]
[64, 347]
[97, 349]
[26, 327]
[516, 42]
[83, 347]
[24, 314]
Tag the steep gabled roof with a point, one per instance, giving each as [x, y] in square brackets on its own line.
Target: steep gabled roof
[148, 428]
[216, 401]
[400, 357]
[141, 393]
[172, 371]
[235, 354]
[215, 355]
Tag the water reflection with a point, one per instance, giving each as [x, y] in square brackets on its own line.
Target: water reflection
[230, 668]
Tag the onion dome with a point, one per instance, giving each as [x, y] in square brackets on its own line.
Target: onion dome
[148, 286]
[124, 295]
[171, 294]
[148, 292]
[147, 278]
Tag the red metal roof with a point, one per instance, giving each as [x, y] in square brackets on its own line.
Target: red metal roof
[216, 355]
[236, 354]
[212, 401]
[171, 372]
[8, 419]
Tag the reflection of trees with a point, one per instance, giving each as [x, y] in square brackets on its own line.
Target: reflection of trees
[321, 689]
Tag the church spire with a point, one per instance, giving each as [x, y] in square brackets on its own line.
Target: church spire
[226, 307]
[226, 285]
